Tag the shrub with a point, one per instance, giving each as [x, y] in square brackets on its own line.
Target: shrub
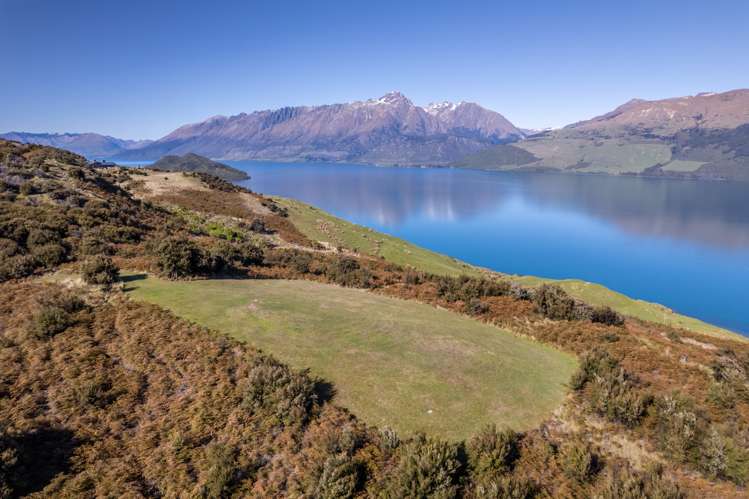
[465, 288]
[426, 468]
[611, 391]
[275, 390]
[606, 315]
[491, 451]
[554, 302]
[520, 293]
[577, 460]
[17, 266]
[178, 257]
[99, 270]
[221, 470]
[505, 488]
[625, 483]
[93, 246]
[49, 255]
[678, 428]
[346, 271]
[339, 478]
[50, 321]
[55, 315]
[251, 253]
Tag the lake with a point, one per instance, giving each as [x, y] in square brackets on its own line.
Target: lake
[683, 244]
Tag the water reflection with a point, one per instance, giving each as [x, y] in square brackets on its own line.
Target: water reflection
[710, 213]
[683, 244]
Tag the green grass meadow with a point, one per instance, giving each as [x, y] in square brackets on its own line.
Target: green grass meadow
[393, 363]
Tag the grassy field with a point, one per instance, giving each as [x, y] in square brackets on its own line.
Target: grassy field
[595, 294]
[321, 226]
[393, 363]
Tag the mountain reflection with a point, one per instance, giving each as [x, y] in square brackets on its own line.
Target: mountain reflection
[709, 213]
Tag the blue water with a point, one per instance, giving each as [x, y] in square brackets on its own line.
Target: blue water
[680, 243]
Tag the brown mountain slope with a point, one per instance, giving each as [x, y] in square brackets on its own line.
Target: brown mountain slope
[667, 116]
[705, 136]
[390, 129]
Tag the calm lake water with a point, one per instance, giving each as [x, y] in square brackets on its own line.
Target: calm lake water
[680, 243]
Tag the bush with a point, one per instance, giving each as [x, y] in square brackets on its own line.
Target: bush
[465, 288]
[49, 255]
[678, 428]
[577, 460]
[491, 451]
[99, 270]
[553, 302]
[339, 478]
[625, 483]
[17, 266]
[346, 271]
[221, 471]
[179, 257]
[50, 321]
[505, 488]
[606, 315]
[426, 468]
[611, 391]
[273, 389]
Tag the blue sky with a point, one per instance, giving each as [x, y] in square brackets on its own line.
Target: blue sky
[138, 69]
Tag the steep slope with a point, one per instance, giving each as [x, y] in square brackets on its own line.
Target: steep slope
[699, 137]
[90, 145]
[389, 130]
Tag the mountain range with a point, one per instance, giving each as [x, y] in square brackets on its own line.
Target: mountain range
[388, 130]
[705, 136]
[91, 145]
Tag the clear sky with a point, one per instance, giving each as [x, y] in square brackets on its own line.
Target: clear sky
[138, 69]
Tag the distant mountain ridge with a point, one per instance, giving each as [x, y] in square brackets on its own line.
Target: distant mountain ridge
[388, 130]
[90, 145]
[704, 136]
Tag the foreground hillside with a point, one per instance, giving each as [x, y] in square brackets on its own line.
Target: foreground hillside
[102, 395]
[697, 137]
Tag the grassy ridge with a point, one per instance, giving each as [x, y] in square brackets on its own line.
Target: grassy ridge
[321, 226]
[417, 367]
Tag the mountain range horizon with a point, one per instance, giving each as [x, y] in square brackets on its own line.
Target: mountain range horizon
[651, 137]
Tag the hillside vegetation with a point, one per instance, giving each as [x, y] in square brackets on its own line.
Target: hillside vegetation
[104, 396]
